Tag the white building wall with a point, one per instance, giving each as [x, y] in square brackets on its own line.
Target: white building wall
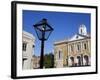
[29, 39]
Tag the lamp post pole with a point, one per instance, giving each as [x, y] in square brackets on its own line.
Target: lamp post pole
[42, 51]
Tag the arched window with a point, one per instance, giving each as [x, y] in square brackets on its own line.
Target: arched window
[86, 60]
[72, 61]
[79, 60]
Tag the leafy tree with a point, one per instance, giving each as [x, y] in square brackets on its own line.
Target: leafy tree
[49, 60]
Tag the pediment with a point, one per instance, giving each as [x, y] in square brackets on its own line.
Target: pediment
[77, 37]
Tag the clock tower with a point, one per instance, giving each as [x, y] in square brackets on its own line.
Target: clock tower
[82, 30]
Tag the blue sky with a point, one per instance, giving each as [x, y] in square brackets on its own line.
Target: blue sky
[65, 25]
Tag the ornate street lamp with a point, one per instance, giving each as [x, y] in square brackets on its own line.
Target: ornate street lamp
[43, 31]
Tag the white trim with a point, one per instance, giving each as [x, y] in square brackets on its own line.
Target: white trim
[21, 72]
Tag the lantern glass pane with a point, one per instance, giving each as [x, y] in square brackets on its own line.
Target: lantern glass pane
[39, 33]
[47, 34]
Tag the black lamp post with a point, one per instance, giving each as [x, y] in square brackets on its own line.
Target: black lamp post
[43, 31]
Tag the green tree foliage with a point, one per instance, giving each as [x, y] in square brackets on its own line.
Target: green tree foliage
[49, 60]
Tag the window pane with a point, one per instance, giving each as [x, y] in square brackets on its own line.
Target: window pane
[24, 46]
[78, 47]
[71, 48]
[84, 46]
[59, 54]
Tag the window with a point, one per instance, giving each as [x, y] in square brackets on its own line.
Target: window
[71, 48]
[59, 55]
[24, 46]
[86, 60]
[78, 47]
[72, 61]
[79, 61]
[85, 46]
[23, 62]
